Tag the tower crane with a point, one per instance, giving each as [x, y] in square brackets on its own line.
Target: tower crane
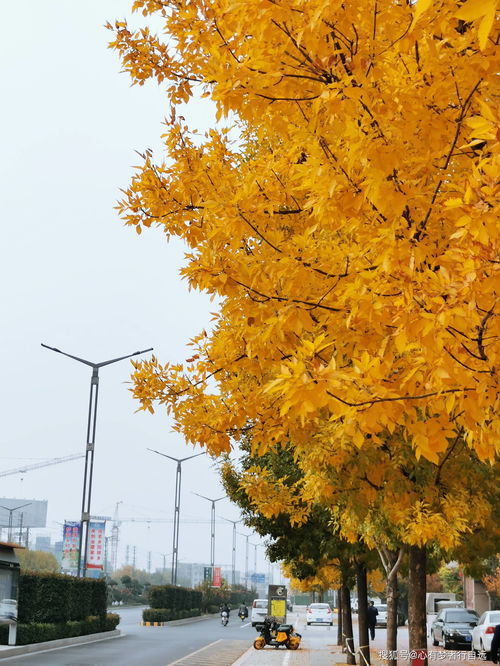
[115, 537]
[43, 463]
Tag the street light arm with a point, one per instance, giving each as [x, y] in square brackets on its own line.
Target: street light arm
[234, 522]
[76, 358]
[178, 460]
[121, 358]
[15, 508]
[194, 456]
[210, 499]
[163, 454]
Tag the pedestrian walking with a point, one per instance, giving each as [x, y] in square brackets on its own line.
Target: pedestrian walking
[372, 613]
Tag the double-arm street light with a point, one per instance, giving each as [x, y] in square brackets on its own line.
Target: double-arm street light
[212, 527]
[177, 509]
[11, 511]
[234, 522]
[89, 449]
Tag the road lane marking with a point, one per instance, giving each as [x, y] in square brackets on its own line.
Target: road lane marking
[177, 661]
[245, 625]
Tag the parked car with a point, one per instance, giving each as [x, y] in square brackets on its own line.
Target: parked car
[453, 627]
[382, 615]
[483, 632]
[259, 611]
[319, 614]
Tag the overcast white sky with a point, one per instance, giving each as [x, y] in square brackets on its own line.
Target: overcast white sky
[75, 278]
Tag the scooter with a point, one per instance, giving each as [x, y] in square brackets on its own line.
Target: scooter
[242, 615]
[275, 634]
[224, 618]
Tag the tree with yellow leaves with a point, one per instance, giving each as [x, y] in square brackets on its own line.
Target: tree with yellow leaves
[344, 212]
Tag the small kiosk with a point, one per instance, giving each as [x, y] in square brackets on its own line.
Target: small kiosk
[9, 584]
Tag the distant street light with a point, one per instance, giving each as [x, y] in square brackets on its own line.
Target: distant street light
[89, 450]
[255, 546]
[235, 522]
[247, 537]
[177, 509]
[11, 511]
[212, 527]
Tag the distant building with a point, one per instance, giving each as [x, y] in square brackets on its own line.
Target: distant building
[57, 550]
[476, 595]
[191, 574]
[43, 543]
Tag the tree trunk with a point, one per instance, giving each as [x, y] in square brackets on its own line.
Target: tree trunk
[361, 584]
[392, 618]
[347, 625]
[340, 640]
[417, 616]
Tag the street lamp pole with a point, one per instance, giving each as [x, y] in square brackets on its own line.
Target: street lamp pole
[234, 522]
[247, 537]
[177, 508]
[89, 449]
[212, 527]
[255, 556]
[11, 511]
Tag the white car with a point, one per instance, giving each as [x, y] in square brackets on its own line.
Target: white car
[259, 611]
[483, 632]
[319, 614]
[382, 615]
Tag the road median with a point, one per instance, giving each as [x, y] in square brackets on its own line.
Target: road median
[7, 651]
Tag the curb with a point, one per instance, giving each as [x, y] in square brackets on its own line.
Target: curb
[14, 651]
[241, 660]
[152, 624]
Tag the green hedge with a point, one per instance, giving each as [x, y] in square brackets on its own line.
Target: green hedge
[168, 614]
[39, 632]
[55, 598]
[175, 598]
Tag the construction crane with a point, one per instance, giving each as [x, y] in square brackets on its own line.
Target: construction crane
[44, 463]
[115, 537]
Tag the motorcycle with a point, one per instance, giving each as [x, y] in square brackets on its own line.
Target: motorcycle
[242, 615]
[224, 618]
[276, 634]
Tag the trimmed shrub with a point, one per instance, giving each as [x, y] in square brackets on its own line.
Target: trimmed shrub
[156, 614]
[39, 632]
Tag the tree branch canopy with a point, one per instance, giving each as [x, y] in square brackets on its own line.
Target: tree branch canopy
[343, 210]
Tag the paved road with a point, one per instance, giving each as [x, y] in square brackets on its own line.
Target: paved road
[153, 646]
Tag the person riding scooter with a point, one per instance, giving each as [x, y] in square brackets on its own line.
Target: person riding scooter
[224, 613]
[243, 612]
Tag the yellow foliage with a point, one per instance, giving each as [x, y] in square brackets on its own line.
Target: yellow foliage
[344, 213]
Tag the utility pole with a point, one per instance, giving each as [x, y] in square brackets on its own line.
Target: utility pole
[89, 449]
[177, 508]
[127, 554]
[149, 562]
[133, 558]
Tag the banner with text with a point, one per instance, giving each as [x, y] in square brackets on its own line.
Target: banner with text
[71, 540]
[95, 546]
[216, 581]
